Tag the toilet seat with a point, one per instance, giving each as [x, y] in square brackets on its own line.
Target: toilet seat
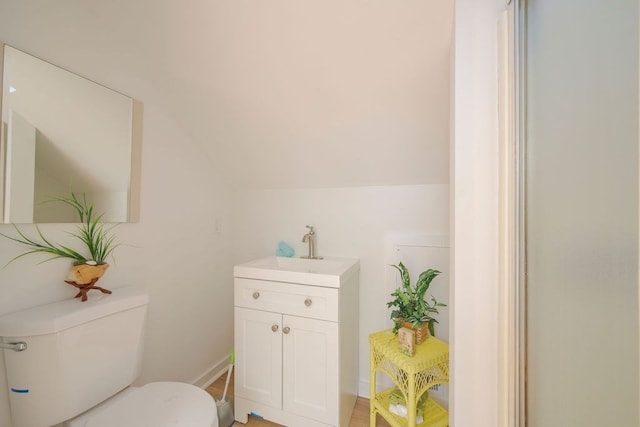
[158, 404]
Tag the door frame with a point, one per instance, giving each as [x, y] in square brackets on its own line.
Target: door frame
[511, 248]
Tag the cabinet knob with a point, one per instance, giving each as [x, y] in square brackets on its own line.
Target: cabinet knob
[274, 328]
[286, 329]
[256, 295]
[308, 302]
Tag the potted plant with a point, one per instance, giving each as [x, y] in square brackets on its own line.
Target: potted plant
[98, 241]
[409, 305]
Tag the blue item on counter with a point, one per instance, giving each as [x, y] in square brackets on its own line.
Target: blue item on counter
[284, 250]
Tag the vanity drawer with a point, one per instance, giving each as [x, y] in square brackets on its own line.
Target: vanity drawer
[287, 298]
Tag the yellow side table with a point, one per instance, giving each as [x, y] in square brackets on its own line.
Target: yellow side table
[412, 375]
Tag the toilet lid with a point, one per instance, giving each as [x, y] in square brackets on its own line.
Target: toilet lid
[160, 404]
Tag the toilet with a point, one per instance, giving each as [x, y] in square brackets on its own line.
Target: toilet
[80, 361]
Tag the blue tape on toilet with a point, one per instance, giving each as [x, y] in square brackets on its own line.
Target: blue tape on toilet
[20, 390]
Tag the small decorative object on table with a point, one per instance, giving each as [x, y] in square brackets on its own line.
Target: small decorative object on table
[407, 341]
[99, 243]
[398, 404]
[410, 309]
[84, 277]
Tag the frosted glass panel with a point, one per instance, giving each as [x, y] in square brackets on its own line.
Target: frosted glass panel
[582, 213]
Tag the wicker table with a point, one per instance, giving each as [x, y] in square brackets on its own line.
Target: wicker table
[412, 375]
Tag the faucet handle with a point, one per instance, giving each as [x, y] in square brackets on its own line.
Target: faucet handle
[310, 227]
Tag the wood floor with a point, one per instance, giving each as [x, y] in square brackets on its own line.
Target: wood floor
[360, 417]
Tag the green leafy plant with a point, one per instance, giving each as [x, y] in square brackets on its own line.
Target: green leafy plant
[99, 242]
[409, 304]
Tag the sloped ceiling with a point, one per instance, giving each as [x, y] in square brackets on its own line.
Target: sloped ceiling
[279, 93]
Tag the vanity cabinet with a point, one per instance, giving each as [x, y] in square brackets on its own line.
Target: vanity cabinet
[296, 351]
[290, 363]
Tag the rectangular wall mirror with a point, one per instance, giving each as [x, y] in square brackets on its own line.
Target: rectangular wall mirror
[61, 133]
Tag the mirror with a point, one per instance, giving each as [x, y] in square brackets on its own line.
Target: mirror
[62, 133]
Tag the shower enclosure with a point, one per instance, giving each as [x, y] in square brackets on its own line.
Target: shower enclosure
[579, 156]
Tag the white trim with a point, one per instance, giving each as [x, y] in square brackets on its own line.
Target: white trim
[508, 243]
[474, 224]
[519, 49]
[2, 140]
[419, 239]
[213, 373]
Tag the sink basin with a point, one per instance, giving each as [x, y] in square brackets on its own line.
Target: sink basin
[330, 272]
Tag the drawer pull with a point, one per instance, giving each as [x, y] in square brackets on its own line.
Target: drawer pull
[256, 295]
[308, 302]
[286, 329]
[274, 328]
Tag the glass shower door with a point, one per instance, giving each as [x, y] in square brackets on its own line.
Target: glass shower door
[581, 214]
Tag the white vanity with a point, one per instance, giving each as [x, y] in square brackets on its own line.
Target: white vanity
[296, 340]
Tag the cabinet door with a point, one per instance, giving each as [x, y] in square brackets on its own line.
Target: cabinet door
[310, 368]
[258, 369]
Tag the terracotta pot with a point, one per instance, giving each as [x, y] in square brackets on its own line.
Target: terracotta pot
[84, 274]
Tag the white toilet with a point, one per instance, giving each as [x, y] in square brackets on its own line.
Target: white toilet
[79, 362]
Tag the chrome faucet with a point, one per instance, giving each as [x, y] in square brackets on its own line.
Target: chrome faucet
[311, 239]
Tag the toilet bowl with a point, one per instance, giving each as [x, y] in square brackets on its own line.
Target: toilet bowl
[158, 404]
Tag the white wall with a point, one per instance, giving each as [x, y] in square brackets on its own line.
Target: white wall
[350, 222]
[474, 180]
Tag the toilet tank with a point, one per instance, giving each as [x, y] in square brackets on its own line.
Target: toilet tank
[78, 354]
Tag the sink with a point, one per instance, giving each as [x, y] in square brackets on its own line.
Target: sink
[330, 272]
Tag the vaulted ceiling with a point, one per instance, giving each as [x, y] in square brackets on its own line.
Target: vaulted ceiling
[279, 93]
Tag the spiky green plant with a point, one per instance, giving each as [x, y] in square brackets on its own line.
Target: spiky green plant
[409, 302]
[98, 240]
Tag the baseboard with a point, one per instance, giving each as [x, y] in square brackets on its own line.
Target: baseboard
[213, 373]
[363, 389]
